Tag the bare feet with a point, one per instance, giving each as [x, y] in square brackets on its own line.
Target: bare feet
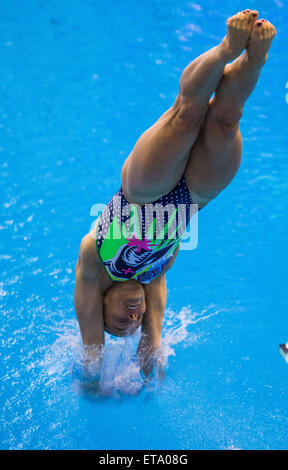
[262, 35]
[239, 28]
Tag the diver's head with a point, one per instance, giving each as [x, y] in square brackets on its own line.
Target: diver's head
[124, 307]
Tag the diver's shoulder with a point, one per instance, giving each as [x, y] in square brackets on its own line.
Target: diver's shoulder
[89, 264]
[88, 257]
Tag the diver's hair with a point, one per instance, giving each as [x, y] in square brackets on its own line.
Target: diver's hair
[107, 331]
[118, 336]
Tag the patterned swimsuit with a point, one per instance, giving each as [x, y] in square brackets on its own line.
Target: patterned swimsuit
[137, 242]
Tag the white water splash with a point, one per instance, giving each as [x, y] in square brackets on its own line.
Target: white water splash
[176, 328]
[120, 373]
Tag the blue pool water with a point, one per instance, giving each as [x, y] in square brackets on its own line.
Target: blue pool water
[80, 81]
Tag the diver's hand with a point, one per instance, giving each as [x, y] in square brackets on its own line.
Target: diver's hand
[87, 370]
[149, 360]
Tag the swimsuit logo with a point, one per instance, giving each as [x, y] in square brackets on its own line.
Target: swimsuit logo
[134, 255]
[141, 244]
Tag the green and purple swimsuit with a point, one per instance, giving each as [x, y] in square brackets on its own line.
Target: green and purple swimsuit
[136, 242]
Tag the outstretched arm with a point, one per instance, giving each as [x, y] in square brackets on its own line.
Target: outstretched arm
[156, 295]
[89, 308]
[89, 300]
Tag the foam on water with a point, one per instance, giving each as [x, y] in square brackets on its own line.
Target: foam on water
[120, 374]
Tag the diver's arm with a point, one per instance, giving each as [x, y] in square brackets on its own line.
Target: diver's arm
[88, 294]
[155, 298]
[155, 295]
[89, 308]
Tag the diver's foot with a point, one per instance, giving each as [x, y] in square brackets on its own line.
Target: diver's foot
[261, 37]
[239, 28]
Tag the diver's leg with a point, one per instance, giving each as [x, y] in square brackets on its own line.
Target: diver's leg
[159, 158]
[216, 156]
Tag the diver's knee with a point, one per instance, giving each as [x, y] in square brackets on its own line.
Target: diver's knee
[189, 112]
[225, 120]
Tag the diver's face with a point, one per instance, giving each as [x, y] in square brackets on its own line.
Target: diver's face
[124, 307]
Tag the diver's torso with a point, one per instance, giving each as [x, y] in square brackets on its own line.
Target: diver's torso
[139, 242]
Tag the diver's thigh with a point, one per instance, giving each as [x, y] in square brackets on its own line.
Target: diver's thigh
[159, 157]
[213, 162]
